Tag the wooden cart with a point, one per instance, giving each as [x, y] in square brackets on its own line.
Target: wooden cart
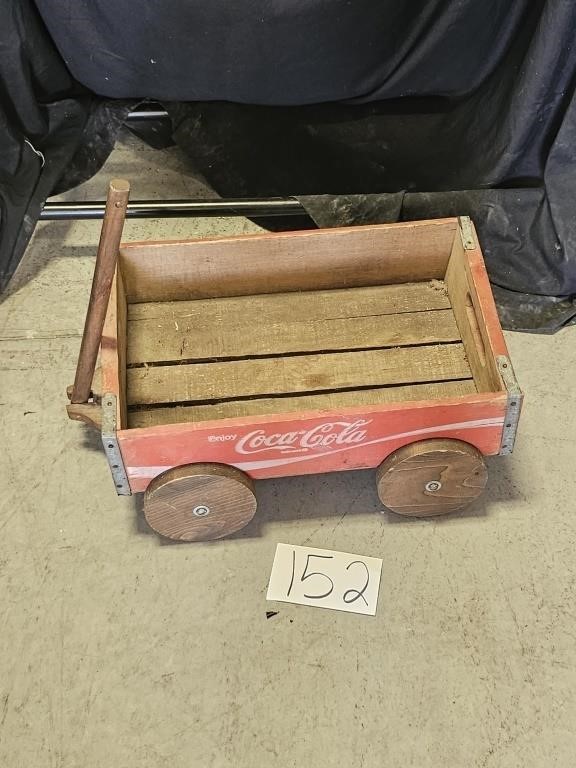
[229, 360]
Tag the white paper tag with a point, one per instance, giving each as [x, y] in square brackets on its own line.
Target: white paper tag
[325, 579]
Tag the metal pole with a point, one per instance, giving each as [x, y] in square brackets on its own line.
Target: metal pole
[147, 114]
[162, 209]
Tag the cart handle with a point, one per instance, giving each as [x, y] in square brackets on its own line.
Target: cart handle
[106, 258]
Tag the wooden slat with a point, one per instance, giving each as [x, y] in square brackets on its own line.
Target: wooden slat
[333, 401]
[299, 374]
[289, 261]
[385, 299]
[471, 319]
[299, 322]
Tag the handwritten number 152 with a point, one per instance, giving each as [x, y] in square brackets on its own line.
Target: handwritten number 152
[350, 596]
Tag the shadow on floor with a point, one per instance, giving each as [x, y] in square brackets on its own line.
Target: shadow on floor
[338, 495]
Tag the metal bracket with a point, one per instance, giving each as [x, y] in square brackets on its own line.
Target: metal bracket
[467, 233]
[513, 407]
[111, 447]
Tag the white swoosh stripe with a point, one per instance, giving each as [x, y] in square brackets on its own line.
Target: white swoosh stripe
[267, 463]
[426, 431]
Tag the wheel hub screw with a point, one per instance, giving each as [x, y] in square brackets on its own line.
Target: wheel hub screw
[201, 510]
[433, 485]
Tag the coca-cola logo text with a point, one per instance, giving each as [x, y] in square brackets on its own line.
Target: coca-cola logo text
[325, 435]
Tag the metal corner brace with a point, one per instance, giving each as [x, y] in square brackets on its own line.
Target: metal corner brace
[111, 447]
[467, 232]
[513, 407]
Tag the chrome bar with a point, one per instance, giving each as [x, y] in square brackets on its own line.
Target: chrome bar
[162, 209]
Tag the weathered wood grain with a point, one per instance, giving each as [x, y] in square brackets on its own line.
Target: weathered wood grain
[298, 374]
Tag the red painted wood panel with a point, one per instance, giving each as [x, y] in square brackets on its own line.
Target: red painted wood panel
[309, 443]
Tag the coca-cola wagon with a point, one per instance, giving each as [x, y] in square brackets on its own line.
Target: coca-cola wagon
[229, 360]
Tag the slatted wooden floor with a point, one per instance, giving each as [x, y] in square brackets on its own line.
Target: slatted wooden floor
[278, 353]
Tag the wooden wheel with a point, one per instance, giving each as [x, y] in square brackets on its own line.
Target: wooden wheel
[199, 502]
[431, 477]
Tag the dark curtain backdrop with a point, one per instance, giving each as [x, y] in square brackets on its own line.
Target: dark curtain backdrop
[372, 110]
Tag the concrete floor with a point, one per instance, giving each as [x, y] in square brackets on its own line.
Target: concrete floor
[118, 650]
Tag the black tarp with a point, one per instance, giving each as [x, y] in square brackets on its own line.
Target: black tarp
[372, 110]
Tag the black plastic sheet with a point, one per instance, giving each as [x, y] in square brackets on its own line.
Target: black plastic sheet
[494, 217]
[449, 107]
[53, 132]
[284, 52]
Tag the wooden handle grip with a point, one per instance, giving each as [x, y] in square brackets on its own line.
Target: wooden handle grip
[106, 258]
